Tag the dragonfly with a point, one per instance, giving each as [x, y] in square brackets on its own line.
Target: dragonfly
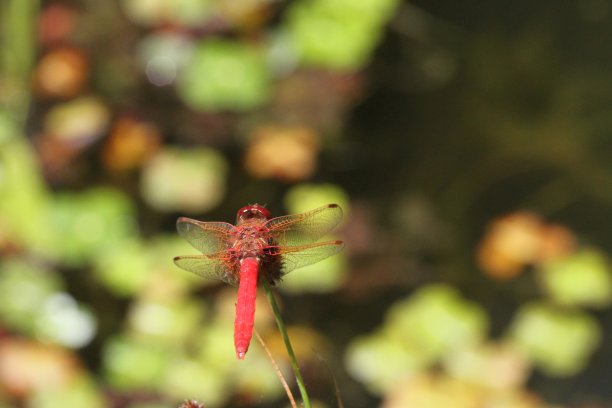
[258, 249]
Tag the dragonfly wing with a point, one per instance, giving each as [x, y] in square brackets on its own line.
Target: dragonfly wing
[302, 229]
[300, 256]
[206, 237]
[217, 266]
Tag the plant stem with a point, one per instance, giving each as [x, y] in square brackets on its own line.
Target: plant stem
[17, 32]
[279, 374]
[285, 335]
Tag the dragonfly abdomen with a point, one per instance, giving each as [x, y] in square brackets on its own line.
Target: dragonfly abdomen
[245, 305]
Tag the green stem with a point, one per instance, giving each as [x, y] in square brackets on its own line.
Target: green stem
[292, 358]
[18, 44]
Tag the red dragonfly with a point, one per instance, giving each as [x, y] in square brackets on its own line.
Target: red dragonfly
[258, 249]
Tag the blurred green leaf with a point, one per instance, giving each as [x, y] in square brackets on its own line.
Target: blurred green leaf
[186, 377]
[437, 321]
[125, 268]
[8, 127]
[338, 34]
[24, 290]
[134, 267]
[191, 180]
[169, 322]
[25, 199]
[135, 364]
[380, 361]
[148, 405]
[179, 12]
[257, 378]
[374, 10]
[326, 43]
[81, 393]
[91, 221]
[582, 279]
[190, 13]
[433, 323]
[559, 341]
[499, 366]
[216, 345]
[225, 75]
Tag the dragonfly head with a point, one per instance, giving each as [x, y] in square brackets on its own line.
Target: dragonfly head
[252, 212]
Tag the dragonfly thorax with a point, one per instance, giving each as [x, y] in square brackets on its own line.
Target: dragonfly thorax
[246, 232]
[250, 242]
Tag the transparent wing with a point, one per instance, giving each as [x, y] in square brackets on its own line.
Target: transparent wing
[300, 256]
[302, 229]
[218, 266]
[206, 237]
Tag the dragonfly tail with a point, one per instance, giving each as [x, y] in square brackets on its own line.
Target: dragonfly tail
[245, 306]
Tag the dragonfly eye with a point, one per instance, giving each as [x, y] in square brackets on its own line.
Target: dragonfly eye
[254, 211]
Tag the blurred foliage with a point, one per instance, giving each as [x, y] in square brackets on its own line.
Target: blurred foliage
[581, 280]
[337, 34]
[25, 288]
[468, 146]
[559, 341]
[89, 222]
[418, 332]
[225, 75]
[190, 180]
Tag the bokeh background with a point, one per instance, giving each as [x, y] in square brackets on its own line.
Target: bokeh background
[469, 142]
